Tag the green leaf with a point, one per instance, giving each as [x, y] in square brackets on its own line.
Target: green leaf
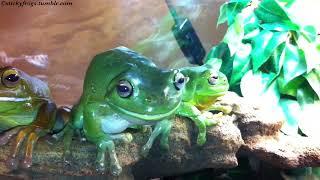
[305, 95]
[270, 11]
[291, 87]
[263, 46]
[286, 3]
[229, 10]
[311, 53]
[219, 51]
[276, 26]
[313, 79]
[252, 34]
[234, 35]
[223, 14]
[294, 63]
[226, 67]
[292, 112]
[310, 33]
[251, 22]
[241, 63]
[214, 63]
[277, 58]
[255, 87]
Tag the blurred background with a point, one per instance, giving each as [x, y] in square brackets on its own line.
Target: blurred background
[67, 37]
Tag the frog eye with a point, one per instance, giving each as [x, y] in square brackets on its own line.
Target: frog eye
[179, 81]
[213, 79]
[10, 78]
[124, 88]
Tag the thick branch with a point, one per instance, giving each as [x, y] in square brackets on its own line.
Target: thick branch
[248, 128]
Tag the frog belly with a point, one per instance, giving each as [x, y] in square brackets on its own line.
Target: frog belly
[114, 124]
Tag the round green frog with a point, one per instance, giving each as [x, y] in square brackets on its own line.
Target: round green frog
[123, 89]
[206, 84]
[26, 109]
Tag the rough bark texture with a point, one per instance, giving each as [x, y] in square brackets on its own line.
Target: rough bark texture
[247, 131]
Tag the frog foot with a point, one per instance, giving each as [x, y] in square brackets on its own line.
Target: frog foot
[116, 169]
[67, 157]
[227, 109]
[128, 138]
[146, 128]
[100, 167]
[6, 136]
[212, 119]
[32, 133]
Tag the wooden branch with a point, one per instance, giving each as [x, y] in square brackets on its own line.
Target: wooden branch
[247, 128]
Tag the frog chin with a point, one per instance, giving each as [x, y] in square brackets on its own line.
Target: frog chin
[215, 91]
[146, 117]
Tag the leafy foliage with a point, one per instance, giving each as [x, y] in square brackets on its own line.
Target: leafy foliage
[269, 57]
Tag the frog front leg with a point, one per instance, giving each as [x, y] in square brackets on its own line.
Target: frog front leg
[190, 111]
[218, 107]
[105, 144]
[41, 126]
[163, 127]
[101, 126]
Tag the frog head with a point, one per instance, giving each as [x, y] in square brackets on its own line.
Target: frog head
[20, 97]
[206, 83]
[132, 85]
[17, 86]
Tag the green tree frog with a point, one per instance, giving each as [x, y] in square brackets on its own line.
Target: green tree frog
[123, 89]
[26, 109]
[206, 84]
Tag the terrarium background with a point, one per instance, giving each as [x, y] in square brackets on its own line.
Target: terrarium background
[72, 35]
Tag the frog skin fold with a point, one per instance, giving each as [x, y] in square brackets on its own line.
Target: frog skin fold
[26, 109]
[123, 89]
[206, 84]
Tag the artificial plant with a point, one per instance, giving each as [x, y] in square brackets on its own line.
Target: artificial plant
[271, 57]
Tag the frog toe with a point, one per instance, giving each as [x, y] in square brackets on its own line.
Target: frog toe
[116, 170]
[227, 109]
[128, 137]
[6, 136]
[100, 167]
[67, 157]
[26, 163]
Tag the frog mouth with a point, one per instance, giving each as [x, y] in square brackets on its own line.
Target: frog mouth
[216, 90]
[148, 117]
[14, 99]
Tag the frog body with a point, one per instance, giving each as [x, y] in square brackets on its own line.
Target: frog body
[206, 84]
[123, 89]
[26, 109]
